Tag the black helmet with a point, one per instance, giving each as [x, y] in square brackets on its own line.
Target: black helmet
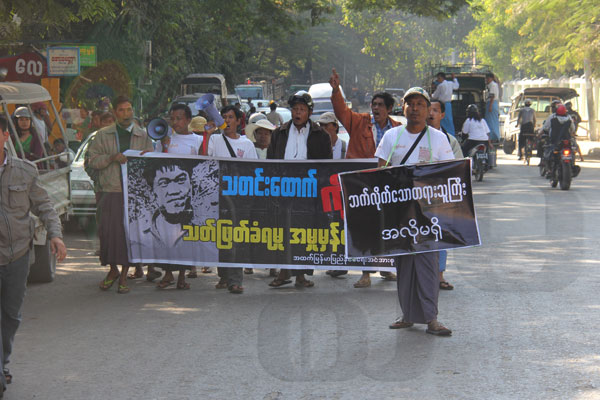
[472, 108]
[301, 97]
[527, 102]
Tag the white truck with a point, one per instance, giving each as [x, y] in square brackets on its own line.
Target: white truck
[54, 179]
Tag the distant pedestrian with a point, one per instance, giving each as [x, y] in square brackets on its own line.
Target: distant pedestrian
[492, 110]
[274, 117]
[443, 93]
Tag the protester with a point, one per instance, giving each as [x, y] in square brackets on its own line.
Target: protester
[329, 123]
[106, 156]
[418, 274]
[365, 131]
[443, 93]
[299, 139]
[436, 116]
[274, 117]
[28, 137]
[492, 113]
[231, 145]
[15, 248]
[183, 142]
[576, 118]
[41, 120]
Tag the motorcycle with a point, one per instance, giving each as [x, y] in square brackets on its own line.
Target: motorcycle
[480, 157]
[561, 168]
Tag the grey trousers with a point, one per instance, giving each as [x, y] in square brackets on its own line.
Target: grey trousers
[418, 286]
[13, 282]
[234, 276]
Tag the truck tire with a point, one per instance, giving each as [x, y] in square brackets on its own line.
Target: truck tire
[508, 146]
[44, 267]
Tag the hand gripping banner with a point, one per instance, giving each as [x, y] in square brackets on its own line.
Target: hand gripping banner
[409, 209]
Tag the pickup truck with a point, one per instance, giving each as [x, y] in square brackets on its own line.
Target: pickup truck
[52, 178]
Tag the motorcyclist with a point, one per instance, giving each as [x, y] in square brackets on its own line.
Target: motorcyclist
[476, 129]
[559, 126]
[527, 121]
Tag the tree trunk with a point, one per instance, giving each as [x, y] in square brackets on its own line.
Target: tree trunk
[589, 89]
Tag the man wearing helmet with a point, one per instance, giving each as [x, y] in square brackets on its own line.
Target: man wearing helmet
[559, 126]
[299, 139]
[527, 121]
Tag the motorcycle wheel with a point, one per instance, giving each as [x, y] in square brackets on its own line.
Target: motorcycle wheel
[542, 167]
[565, 177]
[479, 171]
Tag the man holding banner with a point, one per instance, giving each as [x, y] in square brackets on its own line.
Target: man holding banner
[418, 280]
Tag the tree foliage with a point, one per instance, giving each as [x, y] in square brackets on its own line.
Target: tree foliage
[535, 37]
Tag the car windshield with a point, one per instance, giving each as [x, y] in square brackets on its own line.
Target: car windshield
[249, 92]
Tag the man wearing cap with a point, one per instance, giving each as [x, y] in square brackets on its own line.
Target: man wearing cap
[329, 122]
[260, 133]
[365, 131]
[418, 274]
[299, 139]
[443, 93]
[20, 196]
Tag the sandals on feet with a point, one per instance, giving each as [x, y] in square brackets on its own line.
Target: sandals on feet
[183, 286]
[152, 275]
[363, 283]
[164, 284]
[123, 289]
[388, 276]
[435, 328]
[136, 275]
[445, 285]
[222, 284]
[107, 283]
[305, 283]
[400, 324]
[236, 289]
[279, 282]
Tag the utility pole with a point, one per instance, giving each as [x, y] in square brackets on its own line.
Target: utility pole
[589, 90]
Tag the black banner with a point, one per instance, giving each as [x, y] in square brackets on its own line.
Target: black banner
[409, 209]
[231, 213]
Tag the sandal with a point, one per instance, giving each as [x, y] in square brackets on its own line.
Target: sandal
[136, 275]
[401, 324]
[7, 376]
[279, 282]
[123, 289]
[222, 284]
[107, 283]
[183, 286]
[164, 284]
[435, 328]
[388, 276]
[236, 289]
[305, 283]
[444, 285]
[363, 283]
[152, 275]
[205, 270]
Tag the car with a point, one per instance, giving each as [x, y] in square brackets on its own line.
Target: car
[285, 113]
[503, 109]
[233, 98]
[83, 197]
[321, 95]
[541, 100]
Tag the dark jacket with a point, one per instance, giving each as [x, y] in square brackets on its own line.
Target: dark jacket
[318, 143]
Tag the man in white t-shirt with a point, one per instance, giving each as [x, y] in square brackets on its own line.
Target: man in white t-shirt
[418, 279]
[443, 93]
[231, 145]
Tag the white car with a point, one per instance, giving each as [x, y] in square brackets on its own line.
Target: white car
[83, 197]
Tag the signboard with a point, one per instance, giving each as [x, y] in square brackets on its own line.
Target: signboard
[63, 61]
[26, 67]
[193, 210]
[87, 55]
[409, 209]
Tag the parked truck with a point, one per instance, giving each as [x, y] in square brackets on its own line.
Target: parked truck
[261, 88]
[51, 177]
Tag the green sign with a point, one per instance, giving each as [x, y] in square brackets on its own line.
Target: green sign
[87, 55]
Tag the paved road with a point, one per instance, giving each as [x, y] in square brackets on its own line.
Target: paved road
[524, 315]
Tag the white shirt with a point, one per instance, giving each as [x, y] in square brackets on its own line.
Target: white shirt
[477, 130]
[261, 153]
[182, 144]
[40, 127]
[443, 92]
[337, 149]
[296, 148]
[440, 149]
[492, 89]
[242, 147]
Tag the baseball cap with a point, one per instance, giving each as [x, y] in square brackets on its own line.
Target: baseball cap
[327, 118]
[417, 91]
[261, 123]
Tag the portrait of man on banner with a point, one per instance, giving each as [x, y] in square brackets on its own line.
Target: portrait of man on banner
[165, 195]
